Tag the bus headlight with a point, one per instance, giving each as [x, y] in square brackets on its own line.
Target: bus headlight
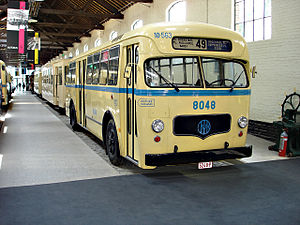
[158, 126]
[243, 122]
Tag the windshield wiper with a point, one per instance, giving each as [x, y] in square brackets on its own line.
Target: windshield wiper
[165, 80]
[234, 83]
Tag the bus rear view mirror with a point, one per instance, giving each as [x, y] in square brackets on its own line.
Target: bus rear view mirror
[128, 71]
[253, 71]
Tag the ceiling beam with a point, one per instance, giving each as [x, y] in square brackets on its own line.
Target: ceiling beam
[3, 7]
[74, 35]
[142, 1]
[79, 13]
[53, 47]
[46, 39]
[107, 6]
[67, 25]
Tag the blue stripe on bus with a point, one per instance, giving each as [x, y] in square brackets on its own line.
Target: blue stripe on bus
[144, 92]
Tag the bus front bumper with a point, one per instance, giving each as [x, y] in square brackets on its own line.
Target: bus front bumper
[199, 156]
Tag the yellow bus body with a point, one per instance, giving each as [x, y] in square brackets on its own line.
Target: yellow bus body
[133, 107]
[5, 85]
[47, 83]
[38, 82]
[59, 89]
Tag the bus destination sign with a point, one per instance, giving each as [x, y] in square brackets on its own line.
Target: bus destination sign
[201, 44]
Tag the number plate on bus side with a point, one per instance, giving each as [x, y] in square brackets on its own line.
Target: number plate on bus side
[205, 165]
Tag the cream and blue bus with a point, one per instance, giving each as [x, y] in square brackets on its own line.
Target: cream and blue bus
[38, 82]
[6, 89]
[47, 83]
[60, 69]
[164, 94]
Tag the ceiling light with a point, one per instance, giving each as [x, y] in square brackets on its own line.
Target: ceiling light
[32, 21]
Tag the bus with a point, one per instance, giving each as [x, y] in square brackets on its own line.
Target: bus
[60, 69]
[164, 94]
[47, 83]
[5, 85]
[38, 82]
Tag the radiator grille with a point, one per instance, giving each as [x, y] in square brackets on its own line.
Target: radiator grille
[201, 126]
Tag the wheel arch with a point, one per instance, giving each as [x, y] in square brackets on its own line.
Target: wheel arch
[106, 118]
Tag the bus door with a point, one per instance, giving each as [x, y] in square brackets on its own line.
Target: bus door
[80, 77]
[82, 92]
[55, 81]
[81, 68]
[131, 58]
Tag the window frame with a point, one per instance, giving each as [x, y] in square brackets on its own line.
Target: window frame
[171, 6]
[201, 85]
[101, 68]
[88, 64]
[252, 20]
[85, 48]
[228, 60]
[113, 35]
[136, 22]
[109, 65]
[96, 81]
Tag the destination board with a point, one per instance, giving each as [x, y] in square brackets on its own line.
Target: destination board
[201, 44]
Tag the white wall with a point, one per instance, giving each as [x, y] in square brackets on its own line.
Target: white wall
[277, 59]
[212, 11]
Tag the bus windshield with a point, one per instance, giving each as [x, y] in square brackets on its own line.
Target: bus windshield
[223, 73]
[179, 71]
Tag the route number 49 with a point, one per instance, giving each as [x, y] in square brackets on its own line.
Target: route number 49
[204, 105]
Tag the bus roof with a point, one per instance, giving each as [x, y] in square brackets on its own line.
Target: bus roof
[187, 29]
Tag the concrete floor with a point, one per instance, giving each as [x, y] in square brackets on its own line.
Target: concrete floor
[36, 147]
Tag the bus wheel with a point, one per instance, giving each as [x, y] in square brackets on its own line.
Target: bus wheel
[112, 144]
[73, 120]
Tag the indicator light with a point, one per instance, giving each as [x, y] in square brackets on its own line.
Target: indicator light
[157, 138]
[241, 134]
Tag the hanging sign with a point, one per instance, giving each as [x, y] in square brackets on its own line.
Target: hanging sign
[17, 22]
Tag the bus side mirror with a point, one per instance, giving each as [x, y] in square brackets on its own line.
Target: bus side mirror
[253, 71]
[128, 71]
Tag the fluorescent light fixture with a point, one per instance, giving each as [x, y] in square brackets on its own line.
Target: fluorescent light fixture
[32, 21]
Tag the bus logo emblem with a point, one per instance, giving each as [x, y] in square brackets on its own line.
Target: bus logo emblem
[204, 127]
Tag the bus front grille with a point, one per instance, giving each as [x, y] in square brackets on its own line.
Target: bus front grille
[201, 126]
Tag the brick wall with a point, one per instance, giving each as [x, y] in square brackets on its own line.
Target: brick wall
[277, 61]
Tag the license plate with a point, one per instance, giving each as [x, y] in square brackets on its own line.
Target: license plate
[205, 165]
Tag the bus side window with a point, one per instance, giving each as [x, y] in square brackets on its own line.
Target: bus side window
[89, 70]
[59, 75]
[103, 67]
[71, 73]
[96, 68]
[113, 66]
[66, 74]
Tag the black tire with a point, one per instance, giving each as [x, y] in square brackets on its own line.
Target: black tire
[73, 120]
[112, 144]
